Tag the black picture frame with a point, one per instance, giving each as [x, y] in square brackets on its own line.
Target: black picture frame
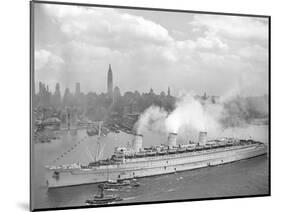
[31, 72]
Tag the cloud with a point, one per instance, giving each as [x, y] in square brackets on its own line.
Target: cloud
[48, 66]
[44, 58]
[254, 52]
[208, 43]
[85, 40]
[41, 58]
[107, 26]
[233, 27]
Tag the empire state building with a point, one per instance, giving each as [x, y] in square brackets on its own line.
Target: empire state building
[109, 82]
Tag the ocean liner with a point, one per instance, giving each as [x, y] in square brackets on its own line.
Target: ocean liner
[136, 161]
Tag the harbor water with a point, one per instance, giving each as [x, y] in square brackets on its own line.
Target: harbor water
[247, 177]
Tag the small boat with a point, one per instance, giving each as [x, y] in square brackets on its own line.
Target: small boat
[119, 184]
[199, 148]
[99, 131]
[181, 150]
[102, 199]
[215, 146]
[162, 152]
[221, 144]
[190, 149]
[92, 132]
[114, 184]
[172, 151]
[140, 154]
[150, 153]
[134, 183]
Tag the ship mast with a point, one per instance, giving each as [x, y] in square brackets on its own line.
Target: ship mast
[107, 174]
[97, 152]
[99, 129]
[98, 143]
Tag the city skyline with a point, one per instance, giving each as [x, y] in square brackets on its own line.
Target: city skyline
[144, 45]
[111, 88]
[76, 88]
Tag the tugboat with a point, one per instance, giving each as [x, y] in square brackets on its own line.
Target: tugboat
[134, 183]
[102, 199]
[119, 184]
[100, 131]
[92, 132]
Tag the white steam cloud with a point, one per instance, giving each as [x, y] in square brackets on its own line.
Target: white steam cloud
[153, 118]
[189, 115]
[192, 115]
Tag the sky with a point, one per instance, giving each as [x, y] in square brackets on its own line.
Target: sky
[189, 52]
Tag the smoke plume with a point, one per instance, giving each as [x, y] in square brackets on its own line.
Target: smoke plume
[153, 118]
[193, 115]
[190, 113]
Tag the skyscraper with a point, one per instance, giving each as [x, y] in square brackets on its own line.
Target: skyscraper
[109, 82]
[169, 92]
[57, 96]
[77, 89]
[67, 97]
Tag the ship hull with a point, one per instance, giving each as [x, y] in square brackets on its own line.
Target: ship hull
[151, 166]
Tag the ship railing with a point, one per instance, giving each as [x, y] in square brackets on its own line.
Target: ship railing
[62, 167]
[190, 151]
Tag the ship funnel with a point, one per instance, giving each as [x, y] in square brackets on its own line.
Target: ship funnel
[202, 138]
[172, 139]
[137, 143]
